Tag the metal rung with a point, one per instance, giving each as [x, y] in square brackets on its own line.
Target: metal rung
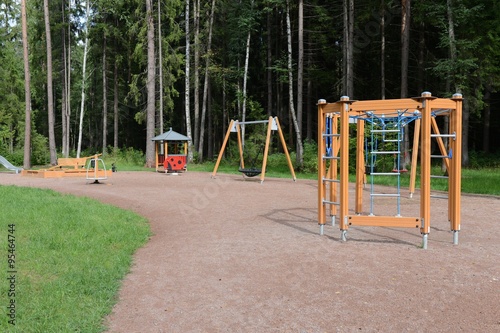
[440, 156]
[439, 196]
[393, 140]
[331, 157]
[385, 131]
[440, 177]
[385, 173]
[330, 135]
[331, 202]
[331, 180]
[443, 135]
[385, 195]
[385, 152]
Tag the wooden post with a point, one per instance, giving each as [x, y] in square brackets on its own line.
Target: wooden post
[321, 164]
[156, 156]
[221, 152]
[240, 145]
[344, 165]
[360, 165]
[266, 149]
[456, 162]
[285, 149]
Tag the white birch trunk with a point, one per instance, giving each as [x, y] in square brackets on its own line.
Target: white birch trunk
[84, 73]
[300, 148]
[188, 87]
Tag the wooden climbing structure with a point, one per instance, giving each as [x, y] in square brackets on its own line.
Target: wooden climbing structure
[391, 118]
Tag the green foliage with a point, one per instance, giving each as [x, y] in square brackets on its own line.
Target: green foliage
[39, 152]
[71, 254]
[479, 160]
[310, 157]
[126, 159]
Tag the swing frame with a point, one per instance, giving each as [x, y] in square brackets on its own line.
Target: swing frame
[272, 125]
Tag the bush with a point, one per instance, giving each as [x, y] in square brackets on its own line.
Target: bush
[126, 157]
[310, 157]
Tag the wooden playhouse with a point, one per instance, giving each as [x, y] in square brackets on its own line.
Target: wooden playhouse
[171, 151]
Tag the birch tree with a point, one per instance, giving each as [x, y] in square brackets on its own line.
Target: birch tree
[84, 73]
[245, 80]
[187, 85]
[300, 147]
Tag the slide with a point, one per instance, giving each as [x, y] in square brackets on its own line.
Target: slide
[9, 165]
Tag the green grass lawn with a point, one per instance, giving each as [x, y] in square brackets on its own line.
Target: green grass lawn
[71, 254]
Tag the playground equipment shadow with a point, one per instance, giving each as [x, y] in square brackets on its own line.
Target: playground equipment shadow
[240, 256]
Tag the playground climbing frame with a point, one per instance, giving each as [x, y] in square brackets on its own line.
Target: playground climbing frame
[333, 155]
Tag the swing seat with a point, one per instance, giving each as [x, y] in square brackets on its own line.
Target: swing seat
[250, 172]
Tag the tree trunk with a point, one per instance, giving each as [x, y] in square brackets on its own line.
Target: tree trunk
[300, 77]
[115, 108]
[300, 147]
[50, 93]
[245, 79]
[348, 68]
[84, 74]
[188, 87]
[486, 119]
[421, 58]
[269, 71]
[206, 83]
[405, 45]
[210, 127]
[160, 71]
[196, 74]
[466, 106]
[382, 49]
[405, 50]
[64, 91]
[27, 89]
[150, 86]
[104, 101]
[67, 118]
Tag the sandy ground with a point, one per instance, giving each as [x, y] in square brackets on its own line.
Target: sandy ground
[229, 255]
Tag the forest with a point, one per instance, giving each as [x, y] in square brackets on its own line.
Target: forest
[86, 77]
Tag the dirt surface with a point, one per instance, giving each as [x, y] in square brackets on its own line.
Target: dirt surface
[229, 255]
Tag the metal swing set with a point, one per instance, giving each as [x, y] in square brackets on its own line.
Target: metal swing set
[387, 117]
[235, 127]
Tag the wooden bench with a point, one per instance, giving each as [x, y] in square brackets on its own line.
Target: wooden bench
[70, 162]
